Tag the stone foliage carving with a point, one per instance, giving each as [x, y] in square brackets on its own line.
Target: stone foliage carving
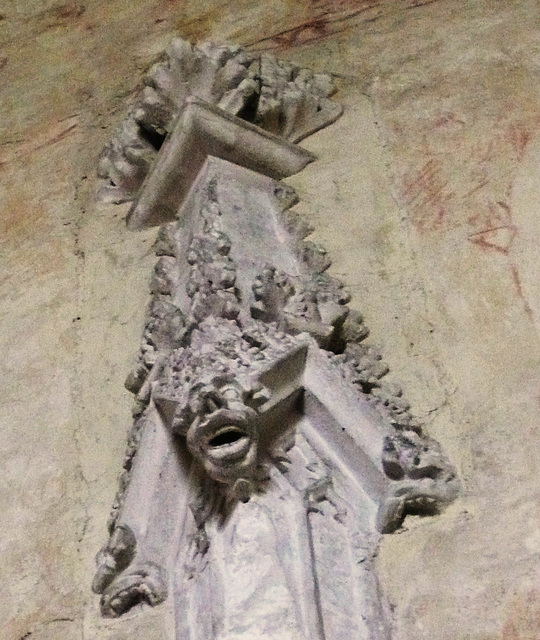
[277, 96]
[261, 408]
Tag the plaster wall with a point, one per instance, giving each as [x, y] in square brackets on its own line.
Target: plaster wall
[426, 195]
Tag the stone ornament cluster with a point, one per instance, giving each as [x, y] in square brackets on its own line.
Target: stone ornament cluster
[278, 97]
[264, 433]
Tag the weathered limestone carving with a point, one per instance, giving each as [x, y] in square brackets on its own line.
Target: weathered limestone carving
[277, 96]
[267, 453]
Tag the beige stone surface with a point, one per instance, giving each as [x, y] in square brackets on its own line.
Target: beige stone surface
[426, 194]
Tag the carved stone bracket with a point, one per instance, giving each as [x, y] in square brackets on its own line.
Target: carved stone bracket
[265, 441]
[277, 96]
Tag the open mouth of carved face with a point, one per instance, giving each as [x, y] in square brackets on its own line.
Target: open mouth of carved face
[228, 444]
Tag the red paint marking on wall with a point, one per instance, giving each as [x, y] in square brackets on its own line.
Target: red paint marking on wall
[518, 135]
[61, 15]
[419, 3]
[492, 215]
[426, 193]
[458, 166]
[67, 11]
[446, 120]
[56, 138]
[498, 238]
[329, 18]
[476, 188]
[485, 152]
[308, 31]
[50, 136]
[519, 288]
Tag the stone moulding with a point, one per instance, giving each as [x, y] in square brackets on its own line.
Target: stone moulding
[201, 131]
[267, 453]
[277, 96]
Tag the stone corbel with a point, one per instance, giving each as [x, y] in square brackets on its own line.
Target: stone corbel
[202, 130]
[255, 383]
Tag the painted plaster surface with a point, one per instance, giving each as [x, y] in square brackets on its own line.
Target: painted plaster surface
[425, 194]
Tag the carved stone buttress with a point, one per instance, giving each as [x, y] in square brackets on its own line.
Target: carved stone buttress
[267, 453]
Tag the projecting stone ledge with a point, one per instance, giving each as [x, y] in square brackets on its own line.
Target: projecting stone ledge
[285, 100]
[201, 131]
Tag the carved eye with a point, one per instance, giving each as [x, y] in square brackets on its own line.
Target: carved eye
[227, 435]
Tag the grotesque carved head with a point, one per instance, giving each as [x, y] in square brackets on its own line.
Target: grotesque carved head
[211, 393]
[223, 426]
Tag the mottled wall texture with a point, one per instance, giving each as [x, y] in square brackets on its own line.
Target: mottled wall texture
[427, 195]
